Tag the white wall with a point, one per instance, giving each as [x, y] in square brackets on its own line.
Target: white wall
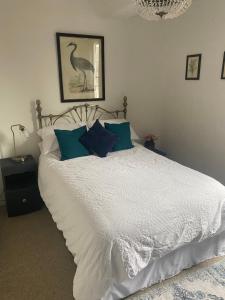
[145, 61]
[29, 68]
[193, 128]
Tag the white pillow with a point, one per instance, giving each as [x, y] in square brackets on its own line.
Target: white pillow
[134, 135]
[49, 141]
[40, 147]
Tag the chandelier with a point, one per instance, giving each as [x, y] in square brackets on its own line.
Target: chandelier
[161, 9]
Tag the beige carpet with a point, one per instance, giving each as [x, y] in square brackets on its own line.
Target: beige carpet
[34, 262]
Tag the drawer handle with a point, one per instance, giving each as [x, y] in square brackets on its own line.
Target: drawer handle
[24, 200]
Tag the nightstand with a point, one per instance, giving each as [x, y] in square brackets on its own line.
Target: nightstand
[20, 186]
[160, 152]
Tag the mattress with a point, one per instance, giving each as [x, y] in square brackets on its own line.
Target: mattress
[124, 214]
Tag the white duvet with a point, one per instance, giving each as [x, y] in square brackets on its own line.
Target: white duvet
[120, 213]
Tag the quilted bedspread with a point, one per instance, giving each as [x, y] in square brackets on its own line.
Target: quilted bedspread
[120, 213]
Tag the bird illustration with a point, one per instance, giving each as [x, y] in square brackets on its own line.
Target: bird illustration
[82, 64]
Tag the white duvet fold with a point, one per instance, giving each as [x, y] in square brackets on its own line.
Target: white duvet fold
[133, 205]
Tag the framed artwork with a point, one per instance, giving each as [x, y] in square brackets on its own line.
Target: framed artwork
[193, 67]
[81, 67]
[223, 68]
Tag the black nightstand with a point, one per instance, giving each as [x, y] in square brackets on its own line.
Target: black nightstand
[20, 186]
[160, 152]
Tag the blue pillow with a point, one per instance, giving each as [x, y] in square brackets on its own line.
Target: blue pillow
[98, 140]
[69, 144]
[122, 130]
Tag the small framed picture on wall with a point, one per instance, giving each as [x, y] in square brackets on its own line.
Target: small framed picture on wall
[193, 67]
[223, 67]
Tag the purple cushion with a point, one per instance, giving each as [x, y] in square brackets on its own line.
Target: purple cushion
[98, 140]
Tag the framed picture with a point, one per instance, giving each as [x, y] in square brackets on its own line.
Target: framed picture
[81, 67]
[193, 67]
[223, 68]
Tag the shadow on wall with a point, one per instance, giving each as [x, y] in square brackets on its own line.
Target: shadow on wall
[25, 145]
[34, 137]
[2, 140]
[30, 145]
[34, 115]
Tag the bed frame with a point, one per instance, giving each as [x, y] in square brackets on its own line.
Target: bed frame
[78, 113]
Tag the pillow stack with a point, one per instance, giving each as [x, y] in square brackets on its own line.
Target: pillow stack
[97, 140]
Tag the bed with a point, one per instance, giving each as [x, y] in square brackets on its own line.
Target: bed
[132, 219]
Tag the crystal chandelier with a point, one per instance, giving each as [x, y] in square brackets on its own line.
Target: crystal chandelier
[161, 9]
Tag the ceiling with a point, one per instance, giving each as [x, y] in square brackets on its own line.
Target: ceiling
[124, 8]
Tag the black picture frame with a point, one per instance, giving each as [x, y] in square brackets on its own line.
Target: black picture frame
[197, 72]
[82, 67]
[223, 68]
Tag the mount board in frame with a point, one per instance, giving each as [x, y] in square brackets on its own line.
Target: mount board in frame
[81, 67]
[193, 67]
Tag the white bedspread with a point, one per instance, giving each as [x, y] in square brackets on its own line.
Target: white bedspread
[120, 213]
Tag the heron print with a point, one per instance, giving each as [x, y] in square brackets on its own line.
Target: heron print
[81, 64]
[81, 67]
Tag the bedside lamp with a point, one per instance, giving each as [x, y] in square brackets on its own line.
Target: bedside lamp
[23, 130]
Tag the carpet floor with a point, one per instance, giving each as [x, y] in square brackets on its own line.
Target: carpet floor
[34, 261]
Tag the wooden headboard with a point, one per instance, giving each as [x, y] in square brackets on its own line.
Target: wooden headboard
[79, 113]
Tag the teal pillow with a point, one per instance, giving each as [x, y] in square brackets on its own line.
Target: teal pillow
[69, 144]
[122, 131]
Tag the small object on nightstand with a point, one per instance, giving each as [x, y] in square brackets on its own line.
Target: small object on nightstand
[150, 141]
[20, 186]
[150, 144]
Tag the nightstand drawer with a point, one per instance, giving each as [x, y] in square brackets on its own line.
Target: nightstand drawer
[23, 201]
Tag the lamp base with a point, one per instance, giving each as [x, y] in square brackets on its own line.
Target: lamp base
[19, 159]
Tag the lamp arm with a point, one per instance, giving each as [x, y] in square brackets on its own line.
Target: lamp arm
[21, 127]
[14, 142]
